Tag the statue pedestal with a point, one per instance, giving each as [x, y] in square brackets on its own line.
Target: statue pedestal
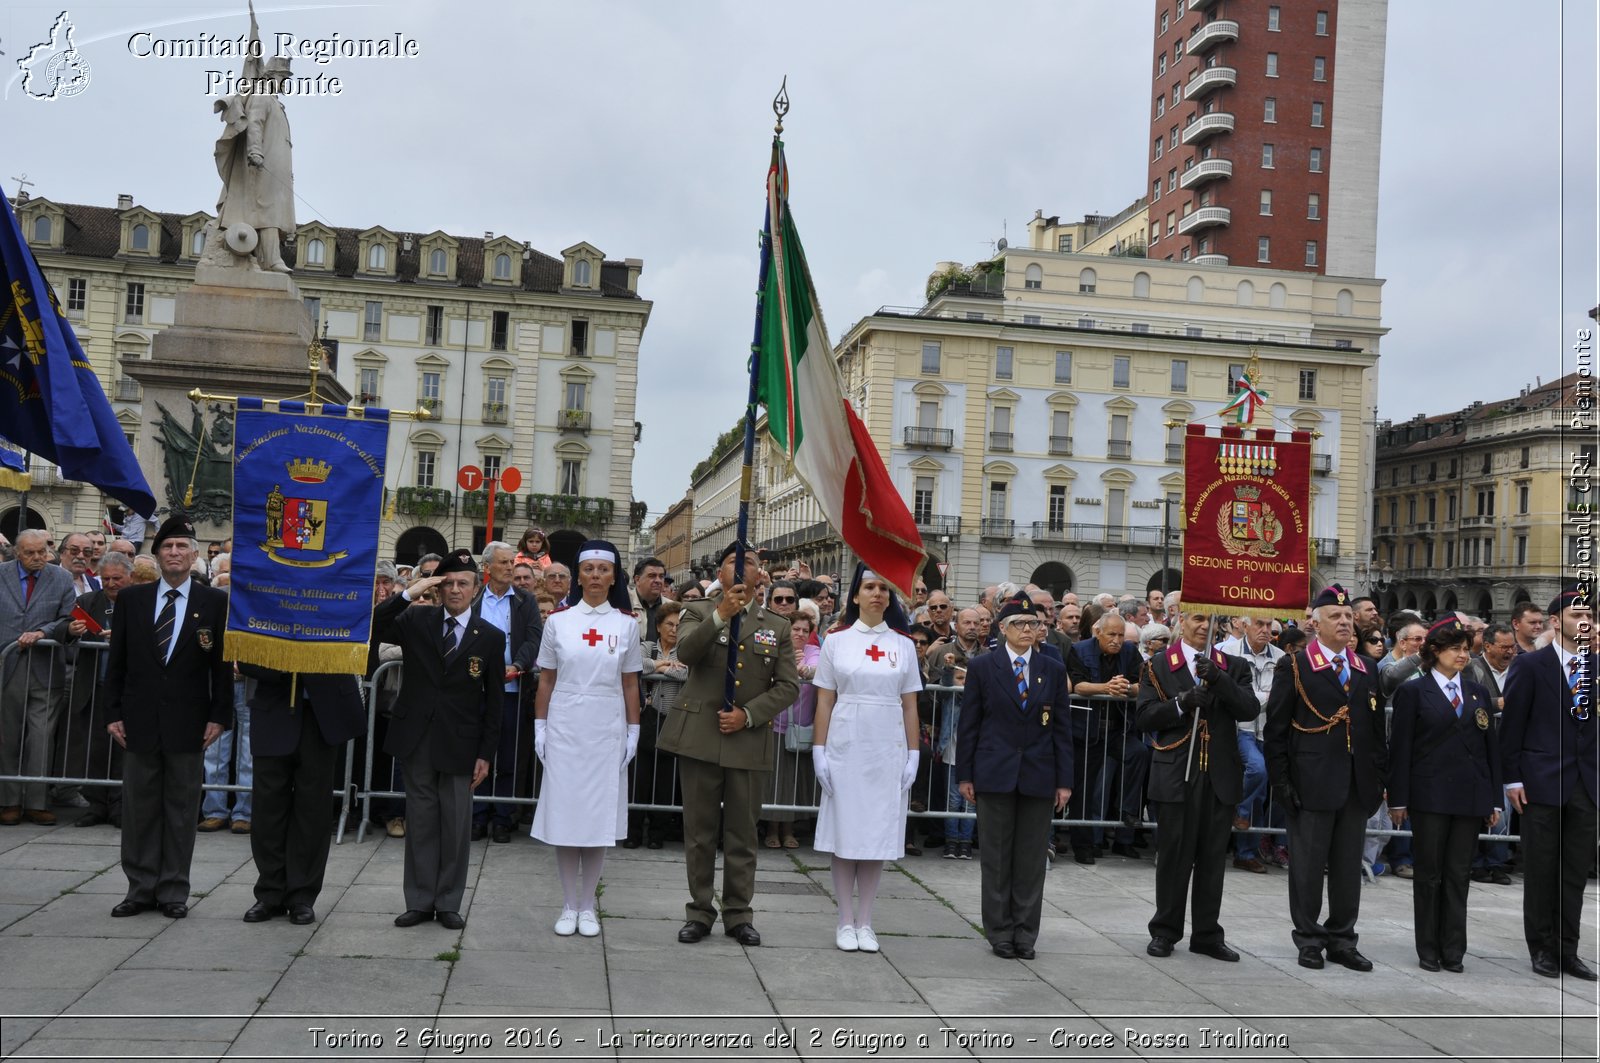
[246, 337]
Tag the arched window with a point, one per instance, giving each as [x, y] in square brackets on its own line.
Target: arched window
[378, 258]
[197, 245]
[41, 229]
[1247, 294]
[1141, 285]
[1277, 295]
[581, 274]
[502, 267]
[1033, 276]
[1196, 290]
[316, 253]
[1086, 280]
[437, 261]
[1345, 303]
[139, 239]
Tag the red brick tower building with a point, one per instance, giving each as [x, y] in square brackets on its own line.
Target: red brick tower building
[1265, 120]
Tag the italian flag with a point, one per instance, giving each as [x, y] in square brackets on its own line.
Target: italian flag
[807, 414]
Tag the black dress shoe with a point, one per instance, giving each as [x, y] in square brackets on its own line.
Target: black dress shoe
[412, 916]
[480, 831]
[1005, 950]
[1024, 952]
[450, 920]
[1427, 964]
[653, 843]
[1217, 950]
[745, 934]
[1453, 966]
[1083, 856]
[1577, 968]
[499, 834]
[1159, 947]
[1350, 958]
[1481, 874]
[302, 914]
[1119, 849]
[261, 911]
[89, 819]
[1544, 965]
[1311, 956]
[630, 842]
[127, 908]
[174, 909]
[692, 932]
[1499, 877]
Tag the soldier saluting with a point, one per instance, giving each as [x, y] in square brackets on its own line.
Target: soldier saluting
[1326, 758]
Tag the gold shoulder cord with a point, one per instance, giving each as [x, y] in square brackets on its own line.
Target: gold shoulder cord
[1204, 730]
[1329, 722]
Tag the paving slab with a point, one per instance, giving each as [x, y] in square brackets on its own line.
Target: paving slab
[45, 963]
[159, 992]
[217, 945]
[321, 985]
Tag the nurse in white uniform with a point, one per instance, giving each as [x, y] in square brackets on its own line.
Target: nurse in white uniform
[866, 749]
[586, 730]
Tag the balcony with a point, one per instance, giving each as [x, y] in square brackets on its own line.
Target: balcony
[937, 524]
[1000, 441]
[556, 511]
[430, 406]
[1061, 446]
[1174, 453]
[1322, 464]
[1051, 531]
[1204, 218]
[574, 421]
[1210, 260]
[494, 413]
[1117, 534]
[997, 528]
[1385, 531]
[1209, 80]
[128, 389]
[1207, 125]
[366, 398]
[424, 501]
[1200, 5]
[1213, 33]
[811, 533]
[932, 438]
[1478, 520]
[1327, 549]
[1208, 170]
[1426, 527]
[1119, 448]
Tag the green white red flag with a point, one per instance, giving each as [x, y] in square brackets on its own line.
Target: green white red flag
[809, 418]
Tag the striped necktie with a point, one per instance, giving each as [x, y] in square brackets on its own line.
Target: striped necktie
[1455, 697]
[1575, 677]
[1344, 671]
[1020, 670]
[164, 624]
[450, 643]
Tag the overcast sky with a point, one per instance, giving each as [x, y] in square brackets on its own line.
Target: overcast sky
[920, 131]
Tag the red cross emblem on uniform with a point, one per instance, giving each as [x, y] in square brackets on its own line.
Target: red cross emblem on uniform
[875, 653]
[592, 637]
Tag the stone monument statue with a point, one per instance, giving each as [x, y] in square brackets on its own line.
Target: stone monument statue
[253, 160]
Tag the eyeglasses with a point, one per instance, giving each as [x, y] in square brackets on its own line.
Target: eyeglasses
[921, 644]
[946, 605]
[783, 600]
[1026, 623]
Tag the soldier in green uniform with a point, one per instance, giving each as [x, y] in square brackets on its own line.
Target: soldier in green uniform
[723, 757]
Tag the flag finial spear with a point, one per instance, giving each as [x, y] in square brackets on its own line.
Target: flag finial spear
[780, 104]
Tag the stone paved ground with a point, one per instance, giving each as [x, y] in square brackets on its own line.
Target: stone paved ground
[76, 984]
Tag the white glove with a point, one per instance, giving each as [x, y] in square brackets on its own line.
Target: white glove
[908, 775]
[633, 744]
[819, 766]
[538, 738]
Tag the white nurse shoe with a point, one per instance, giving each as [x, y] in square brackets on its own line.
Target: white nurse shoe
[568, 923]
[846, 939]
[588, 925]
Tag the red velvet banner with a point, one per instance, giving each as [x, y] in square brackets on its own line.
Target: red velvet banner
[1247, 545]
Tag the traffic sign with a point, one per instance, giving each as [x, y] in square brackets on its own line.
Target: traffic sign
[470, 477]
[944, 569]
[510, 479]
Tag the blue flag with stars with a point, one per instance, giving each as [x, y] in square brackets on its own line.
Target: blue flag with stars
[51, 401]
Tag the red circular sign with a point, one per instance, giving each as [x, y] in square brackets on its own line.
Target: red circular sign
[470, 477]
[510, 479]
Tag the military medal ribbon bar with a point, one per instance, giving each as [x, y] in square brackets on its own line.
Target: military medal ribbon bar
[307, 501]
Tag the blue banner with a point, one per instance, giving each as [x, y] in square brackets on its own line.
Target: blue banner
[307, 499]
[51, 402]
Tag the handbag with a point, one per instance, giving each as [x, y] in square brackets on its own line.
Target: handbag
[797, 739]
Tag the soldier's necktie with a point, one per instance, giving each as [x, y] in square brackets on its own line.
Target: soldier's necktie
[1344, 671]
[1455, 697]
[164, 622]
[1575, 677]
[450, 643]
[1020, 670]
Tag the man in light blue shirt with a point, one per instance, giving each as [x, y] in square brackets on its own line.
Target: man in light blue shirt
[515, 612]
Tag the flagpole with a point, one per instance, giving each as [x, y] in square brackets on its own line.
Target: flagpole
[780, 107]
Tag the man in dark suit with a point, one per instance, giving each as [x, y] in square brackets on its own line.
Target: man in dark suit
[1110, 748]
[444, 729]
[298, 726]
[90, 751]
[724, 757]
[1192, 698]
[34, 597]
[515, 613]
[1326, 759]
[1014, 760]
[169, 696]
[1548, 755]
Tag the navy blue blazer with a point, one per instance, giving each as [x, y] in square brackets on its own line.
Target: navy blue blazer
[1541, 745]
[1002, 747]
[1438, 763]
[333, 700]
